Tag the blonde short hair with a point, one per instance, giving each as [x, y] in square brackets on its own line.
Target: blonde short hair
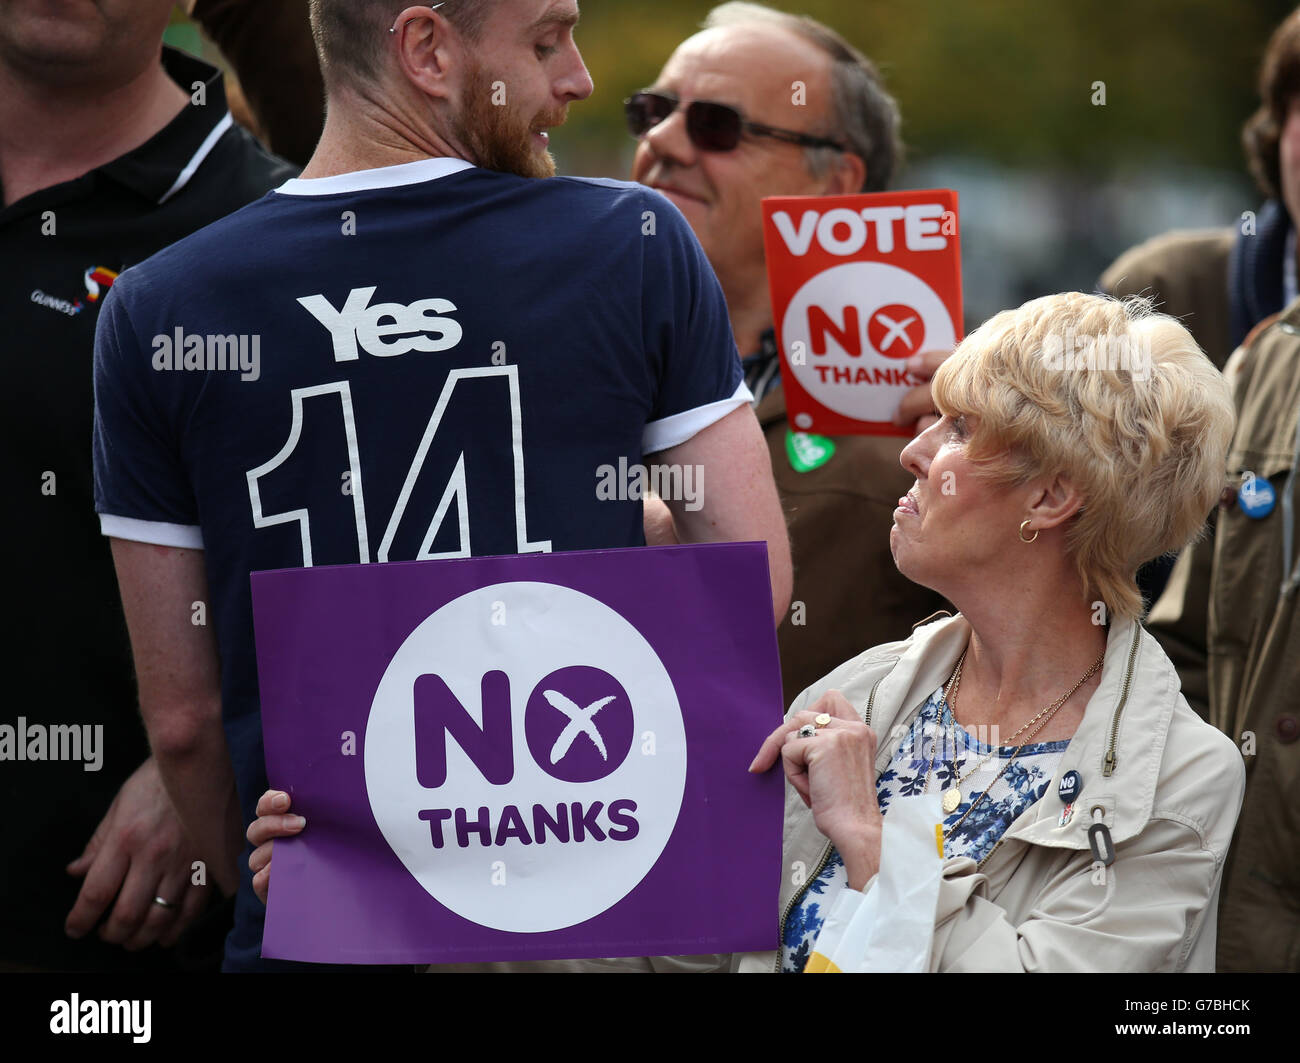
[1117, 399]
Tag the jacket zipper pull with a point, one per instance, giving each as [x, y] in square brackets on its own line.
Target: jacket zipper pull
[1104, 853]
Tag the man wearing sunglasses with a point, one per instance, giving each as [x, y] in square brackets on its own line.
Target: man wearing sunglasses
[762, 103]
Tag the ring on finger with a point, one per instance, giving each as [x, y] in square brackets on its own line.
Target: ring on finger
[164, 903]
[807, 731]
[822, 719]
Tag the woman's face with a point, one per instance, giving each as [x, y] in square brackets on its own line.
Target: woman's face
[953, 524]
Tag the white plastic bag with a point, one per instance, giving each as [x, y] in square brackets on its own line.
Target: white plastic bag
[890, 926]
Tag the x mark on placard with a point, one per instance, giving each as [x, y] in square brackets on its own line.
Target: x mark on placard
[580, 722]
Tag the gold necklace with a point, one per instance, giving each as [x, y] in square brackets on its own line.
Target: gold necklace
[938, 721]
[952, 796]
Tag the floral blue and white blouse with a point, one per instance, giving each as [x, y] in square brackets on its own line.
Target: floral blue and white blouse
[934, 748]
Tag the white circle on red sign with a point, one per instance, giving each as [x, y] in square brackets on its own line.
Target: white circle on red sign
[857, 322]
[525, 738]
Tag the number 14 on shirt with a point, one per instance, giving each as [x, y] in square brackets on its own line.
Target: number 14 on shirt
[463, 385]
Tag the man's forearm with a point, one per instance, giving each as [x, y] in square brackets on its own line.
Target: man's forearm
[201, 784]
[741, 503]
[178, 671]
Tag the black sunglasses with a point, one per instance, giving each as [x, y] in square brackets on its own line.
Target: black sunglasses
[711, 126]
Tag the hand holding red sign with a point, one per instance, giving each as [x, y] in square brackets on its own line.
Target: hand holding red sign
[860, 285]
[916, 411]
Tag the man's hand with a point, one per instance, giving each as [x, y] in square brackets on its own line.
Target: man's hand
[657, 521]
[917, 408]
[138, 852]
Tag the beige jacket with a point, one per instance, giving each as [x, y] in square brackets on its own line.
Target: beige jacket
[1168, 787]
[1167, 784]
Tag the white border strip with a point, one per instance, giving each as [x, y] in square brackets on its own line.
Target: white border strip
[1289, 291]
[185, 536]
[209, 142]
[672, 431]
[406, 173]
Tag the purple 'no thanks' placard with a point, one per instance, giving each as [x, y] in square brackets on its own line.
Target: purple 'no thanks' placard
[523, 758]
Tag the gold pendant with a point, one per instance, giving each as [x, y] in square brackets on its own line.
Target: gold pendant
[951, 799]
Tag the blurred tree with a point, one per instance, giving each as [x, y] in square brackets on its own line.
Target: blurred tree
[1009, 80]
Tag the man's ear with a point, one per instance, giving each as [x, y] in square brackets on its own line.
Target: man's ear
[847, 177]
[426, 46]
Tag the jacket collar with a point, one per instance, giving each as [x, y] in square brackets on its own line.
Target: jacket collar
[1134, 702]
[1255, 270]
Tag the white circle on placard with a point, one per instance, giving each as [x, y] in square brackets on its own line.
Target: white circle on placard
[868, 286]
[543, 631]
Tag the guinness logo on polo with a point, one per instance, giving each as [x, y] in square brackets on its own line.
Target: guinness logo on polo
[555, 732]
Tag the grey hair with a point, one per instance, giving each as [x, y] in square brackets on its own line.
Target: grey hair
[865, 115]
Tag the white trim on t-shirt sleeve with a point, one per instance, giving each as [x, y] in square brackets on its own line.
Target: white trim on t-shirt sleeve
[672, 431]
[185, 536]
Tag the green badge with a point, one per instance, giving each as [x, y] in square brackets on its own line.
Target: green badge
[807, 451]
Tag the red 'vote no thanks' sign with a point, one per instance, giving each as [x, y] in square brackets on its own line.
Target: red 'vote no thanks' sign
[860, 284]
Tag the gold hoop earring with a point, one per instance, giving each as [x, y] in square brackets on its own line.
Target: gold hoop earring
[1022, 533]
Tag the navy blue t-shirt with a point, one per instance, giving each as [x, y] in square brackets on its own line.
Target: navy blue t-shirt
[426, 360]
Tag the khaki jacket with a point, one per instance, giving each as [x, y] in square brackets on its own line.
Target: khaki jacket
[839, 516]
[1230, 610]
[1167, 785]
[1186, 273]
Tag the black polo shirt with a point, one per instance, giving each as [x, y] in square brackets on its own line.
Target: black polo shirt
[66, 650]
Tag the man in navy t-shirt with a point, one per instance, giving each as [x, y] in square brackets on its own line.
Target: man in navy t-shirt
[417, 350]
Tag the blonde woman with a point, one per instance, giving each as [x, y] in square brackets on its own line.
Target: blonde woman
[1080, 438]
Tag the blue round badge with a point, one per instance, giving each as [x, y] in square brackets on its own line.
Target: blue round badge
[1257, 498]
[1070, 785]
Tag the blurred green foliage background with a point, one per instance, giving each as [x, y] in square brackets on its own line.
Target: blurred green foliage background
[997, 98]
[997, 102]
[1008, 80]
